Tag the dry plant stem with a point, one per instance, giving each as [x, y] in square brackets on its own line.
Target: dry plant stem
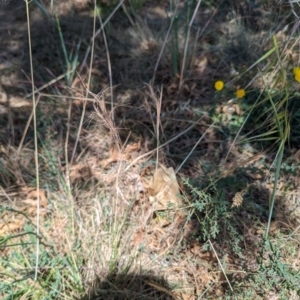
[105, 117]
[291, 2]
[69, 97]
[5, 194]
[160, 288]
[83, 63]
[205, 291]
[198, 34]
[36, 157]
[87, 88]
[157, 124]
[148, 109]
[220, 264]
[47, 84]
[116, 199]
[290, 236]
[187, 44]
[158, 109]
[163, 145]
[294, 29]
[109, 17]
[11, 123]
[200, 139]
[28, 124]
[103, 25]
[164, 43]
[67, 176]
[128, 15]
[109, 71]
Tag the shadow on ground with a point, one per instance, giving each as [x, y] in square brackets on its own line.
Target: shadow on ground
[131, 287]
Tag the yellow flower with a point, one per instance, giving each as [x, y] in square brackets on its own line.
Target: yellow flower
[240, 93]
[219, 85]
[296, 71]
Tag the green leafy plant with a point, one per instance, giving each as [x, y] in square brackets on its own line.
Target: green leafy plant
[215, 216]
[272, 276]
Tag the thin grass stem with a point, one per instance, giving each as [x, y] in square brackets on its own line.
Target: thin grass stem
[36, 155]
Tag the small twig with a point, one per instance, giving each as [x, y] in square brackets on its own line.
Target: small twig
[36, 155]
[187, 43]
[109, 72]
[103, 25]
[200, 139]
[221, 266]
[28, 124]
[163, 145]
[164, 43]
[87, 89]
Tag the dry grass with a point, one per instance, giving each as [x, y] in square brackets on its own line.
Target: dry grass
[157, 187]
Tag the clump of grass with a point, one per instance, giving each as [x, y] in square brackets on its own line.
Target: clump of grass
[58, 274]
